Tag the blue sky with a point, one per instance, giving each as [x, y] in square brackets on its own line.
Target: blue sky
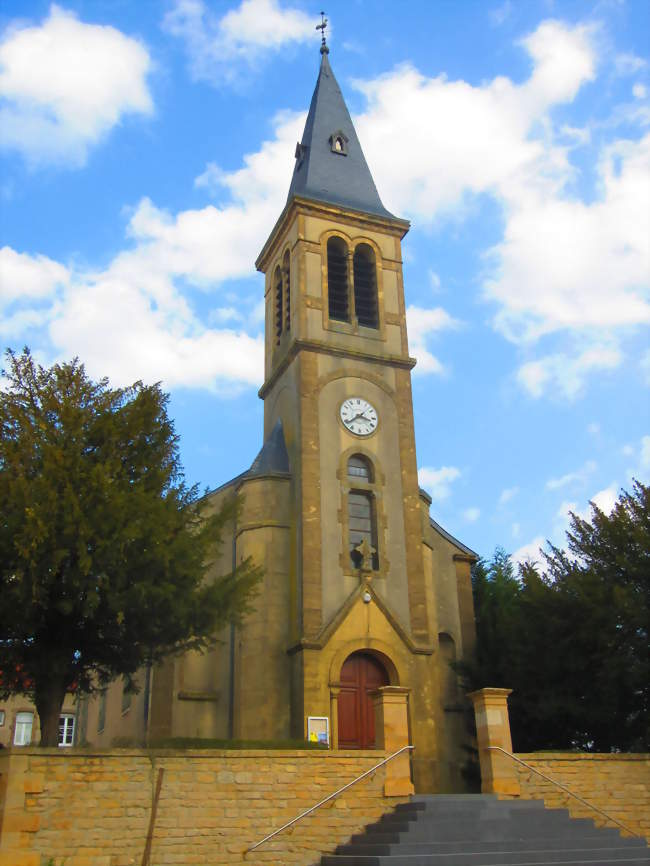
[147, 150]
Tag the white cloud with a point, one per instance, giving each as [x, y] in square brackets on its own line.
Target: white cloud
[438, 481]
[629, 64]
[434, 280]
[217, 47]
[516, 530]
[567, 266]
[25, 277]
[163, 337]
[593, 428]
[421, 324]
[500, 14]
[597, 274]
[471, 515]
[530, 552]
[639, 91]
[564, 376]
[606, 499]
[579, 476]
[507, 494]
[65, 84]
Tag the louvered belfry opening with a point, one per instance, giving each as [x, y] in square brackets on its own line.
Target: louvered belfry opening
[277, 282]
[365, 286]
[286, 272]
[337, 280]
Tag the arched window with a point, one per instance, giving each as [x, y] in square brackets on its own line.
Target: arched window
[277, 284]
[337, 280]
[365, 286]
[362, 525]
[286, 272]
[362, 515]
[359, 467]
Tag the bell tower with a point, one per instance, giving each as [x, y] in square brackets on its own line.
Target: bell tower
[338, 378]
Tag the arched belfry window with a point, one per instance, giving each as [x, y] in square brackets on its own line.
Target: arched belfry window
[362, 512]
[286, 273]
[365, 286]
[277, 288]
[337, 280]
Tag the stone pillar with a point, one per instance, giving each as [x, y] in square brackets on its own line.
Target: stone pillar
[334, 716]
[498, 771]
[391, 733]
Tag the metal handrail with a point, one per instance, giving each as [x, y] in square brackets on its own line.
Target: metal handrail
[327, 799]
[565, 789]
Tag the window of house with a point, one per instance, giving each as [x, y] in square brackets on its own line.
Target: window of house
[337, 280]
[2, 718]
[101, 712]
[286, 273]
[23, 730]
[66, 729]
[365, 286]
[277, 282]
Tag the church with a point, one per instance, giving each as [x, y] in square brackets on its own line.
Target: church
[362, 588]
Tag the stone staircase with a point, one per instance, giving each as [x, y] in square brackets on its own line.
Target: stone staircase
[480, 830]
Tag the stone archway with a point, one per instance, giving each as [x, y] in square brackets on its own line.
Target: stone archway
[361, 673]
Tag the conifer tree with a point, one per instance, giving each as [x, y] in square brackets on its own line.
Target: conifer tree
[570, 637]
[103, 548]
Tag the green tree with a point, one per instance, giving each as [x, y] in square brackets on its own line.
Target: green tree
[571, 637]
[103, 548]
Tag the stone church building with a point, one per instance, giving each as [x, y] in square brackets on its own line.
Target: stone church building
[361, 588]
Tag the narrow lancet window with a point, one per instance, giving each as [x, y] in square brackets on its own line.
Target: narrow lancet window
[277, 283]
[362, 526]
[286, 273]
[365, 286]
[337, 280]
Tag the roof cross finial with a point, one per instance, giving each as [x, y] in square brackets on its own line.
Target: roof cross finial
[322, 27]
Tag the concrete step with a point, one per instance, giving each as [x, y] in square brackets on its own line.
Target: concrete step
[476, 830]
[537, 846]
[511, 836]
[433, 860]
[483, 858]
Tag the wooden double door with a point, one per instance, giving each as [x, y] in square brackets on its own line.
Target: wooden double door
[361, 674]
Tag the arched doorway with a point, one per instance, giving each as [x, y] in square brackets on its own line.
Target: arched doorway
[361, 674]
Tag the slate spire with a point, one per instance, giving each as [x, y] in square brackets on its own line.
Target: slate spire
[330, 165]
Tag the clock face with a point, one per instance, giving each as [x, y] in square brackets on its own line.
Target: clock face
[359, 416]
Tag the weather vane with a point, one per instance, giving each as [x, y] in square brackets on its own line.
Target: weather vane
[322, 27]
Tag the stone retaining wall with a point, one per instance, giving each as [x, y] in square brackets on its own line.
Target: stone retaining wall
[94, 808]
[617, 784]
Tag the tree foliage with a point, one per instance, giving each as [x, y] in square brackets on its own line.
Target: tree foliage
[103, 548]
[571, 638]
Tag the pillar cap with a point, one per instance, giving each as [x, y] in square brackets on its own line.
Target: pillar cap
[489, 692]
[389, 690]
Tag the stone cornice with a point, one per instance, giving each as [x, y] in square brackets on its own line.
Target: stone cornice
[325, 348]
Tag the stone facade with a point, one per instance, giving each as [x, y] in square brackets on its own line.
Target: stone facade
[412, 610]
[409, 609]
[95, 808]
[617, 784]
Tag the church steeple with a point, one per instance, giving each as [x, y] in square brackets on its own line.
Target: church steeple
[330, 165]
